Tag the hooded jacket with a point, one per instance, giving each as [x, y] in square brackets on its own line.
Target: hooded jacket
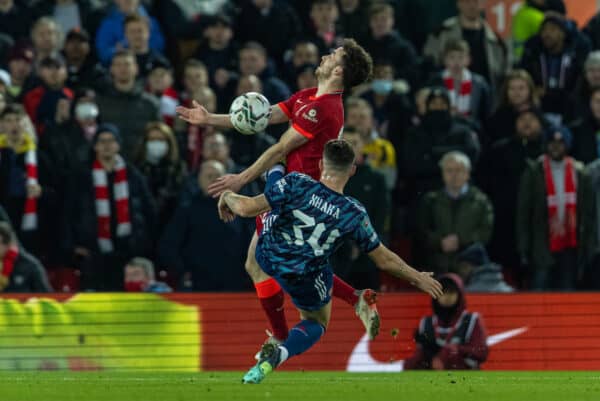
[454, 337]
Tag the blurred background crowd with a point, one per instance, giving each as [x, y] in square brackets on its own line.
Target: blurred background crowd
[477, 155]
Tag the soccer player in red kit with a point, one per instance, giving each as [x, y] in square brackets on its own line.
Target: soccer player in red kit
[316, 116]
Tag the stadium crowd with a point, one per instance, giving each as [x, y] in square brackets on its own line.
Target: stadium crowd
[476, 155]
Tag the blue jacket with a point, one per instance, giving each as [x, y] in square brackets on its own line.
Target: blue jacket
[112, 31]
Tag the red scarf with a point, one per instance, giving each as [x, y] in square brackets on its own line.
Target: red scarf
[8, 263]
[461, 101]
[29, 221]
[121, 195]
[563, 234]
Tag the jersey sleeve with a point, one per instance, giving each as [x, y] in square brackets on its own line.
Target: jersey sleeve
[365, 236]
[287, 106]
[281, 192]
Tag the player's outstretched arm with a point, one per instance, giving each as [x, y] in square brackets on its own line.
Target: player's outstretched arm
[200, 116]
[289, 141]
[232, 204]
[390, 262]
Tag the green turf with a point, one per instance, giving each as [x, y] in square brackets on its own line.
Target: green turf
[304, 386]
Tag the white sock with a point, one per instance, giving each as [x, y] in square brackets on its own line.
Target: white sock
[283, 356]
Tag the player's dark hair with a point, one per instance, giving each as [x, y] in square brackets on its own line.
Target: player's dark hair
[338, 155]
[7, 235]
[357, 64]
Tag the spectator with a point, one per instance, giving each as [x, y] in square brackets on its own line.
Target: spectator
[19, 271]
[306, 77]
[379, 152]
[591, 277]
[218, 51]
[221, 268]
[386, 43]
[137, 34]
[579, 100]
[501, 171]
[258, 20]
[47, 38]
[586, 141]
[479, 273]
[453, 337]
[82, 69]
[555, 202]
[592, 31]
[391, 105]
[126, 105]
[526, 23]
[368, 187]
[20, 62]
[554, 58]
[323, 31]
[517, 94]
[47, 104]
[15, 19]
[158, 160]
[26, 181]
[110, 37]
[75, 133]
[452, 218]
[160, 85]
[425, 144]
[304, 53]
[489, 56]
[110, 215]
[195, 77]
[470, 94]
[245, 149]
[140, 277]
[253, 61]
[353, 18]
[69, 14]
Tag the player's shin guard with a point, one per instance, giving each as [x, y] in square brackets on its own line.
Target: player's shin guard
[271, 298]
[345, 291]
[302, 336]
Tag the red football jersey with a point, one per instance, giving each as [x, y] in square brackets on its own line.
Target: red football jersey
[319, 119]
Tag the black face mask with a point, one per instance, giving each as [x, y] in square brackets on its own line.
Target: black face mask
[437, 120]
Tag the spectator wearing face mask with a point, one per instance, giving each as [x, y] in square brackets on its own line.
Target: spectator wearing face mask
[75, 133]
[158, 160]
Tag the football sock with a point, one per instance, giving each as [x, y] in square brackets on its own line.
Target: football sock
[271, 298]
[302, 336]
[274, 174]
[345, 291]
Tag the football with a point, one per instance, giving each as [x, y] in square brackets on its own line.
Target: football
[249, 113]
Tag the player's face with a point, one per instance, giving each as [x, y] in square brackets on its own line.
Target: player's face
[518, 92]
[328, 64]
[455, 175]
[595, 105]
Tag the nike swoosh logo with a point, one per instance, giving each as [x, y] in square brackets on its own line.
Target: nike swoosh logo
[362, 361]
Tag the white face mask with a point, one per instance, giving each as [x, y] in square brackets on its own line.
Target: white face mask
[156, 150]
[86, 111]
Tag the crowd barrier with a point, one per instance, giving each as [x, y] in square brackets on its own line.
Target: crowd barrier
[220, 331]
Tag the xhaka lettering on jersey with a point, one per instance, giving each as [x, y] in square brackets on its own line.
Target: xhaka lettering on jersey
[325, 207]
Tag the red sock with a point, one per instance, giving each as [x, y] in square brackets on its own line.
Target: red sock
[345, 291]
[271, 298]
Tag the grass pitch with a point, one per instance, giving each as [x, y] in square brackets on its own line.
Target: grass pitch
[302, 386]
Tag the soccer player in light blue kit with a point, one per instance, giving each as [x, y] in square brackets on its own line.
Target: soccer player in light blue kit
[308, 220]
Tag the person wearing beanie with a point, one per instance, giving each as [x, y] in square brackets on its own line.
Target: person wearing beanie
[452, 337]
[82, 69]
[110, 214]
[555, 206]
[499, 176]
[478, 272]
[424, 145]
[554, 58]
